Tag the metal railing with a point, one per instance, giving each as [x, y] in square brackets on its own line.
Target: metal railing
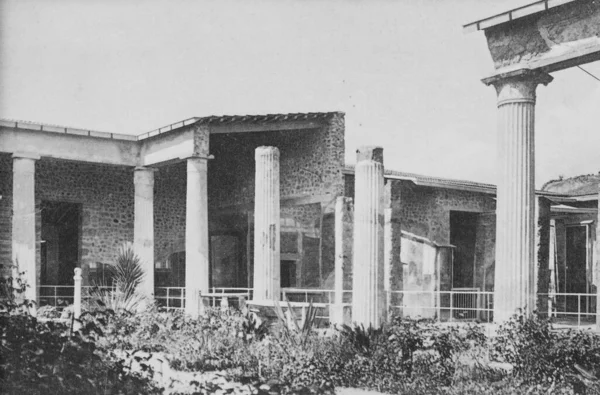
[571, 308]
[463, 304]
[174, 297]
[63, 295]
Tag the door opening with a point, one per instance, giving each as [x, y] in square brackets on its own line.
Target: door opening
[60, 252]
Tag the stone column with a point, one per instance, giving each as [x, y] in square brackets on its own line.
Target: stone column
[337, 309]
[196, 234]
[597, 268]
[369, 297]
[23, 221]
[267, 225]
[516, 228]
[143, 225]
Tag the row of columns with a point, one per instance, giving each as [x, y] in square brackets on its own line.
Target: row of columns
[197, 269]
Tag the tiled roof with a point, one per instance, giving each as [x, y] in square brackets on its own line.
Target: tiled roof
[209, 120]
[450, 183]
[247, 119]
[420, 179]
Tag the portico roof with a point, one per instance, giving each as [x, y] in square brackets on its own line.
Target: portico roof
[513, 14]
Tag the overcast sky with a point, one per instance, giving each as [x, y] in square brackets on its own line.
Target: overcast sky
[403, 72]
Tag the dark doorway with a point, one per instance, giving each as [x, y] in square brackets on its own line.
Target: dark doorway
[288, 274]
[463, 236]
[61, 224]
[576, 279]
[226, 262]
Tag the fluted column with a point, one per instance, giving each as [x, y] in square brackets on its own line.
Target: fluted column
[267, 225]
[515, 230]
[597, 268]
[368, 288]
[23, 221]
[143, 224]
[196, 233]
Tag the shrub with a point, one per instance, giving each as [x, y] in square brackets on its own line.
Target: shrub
[47, 357]
[540, 353]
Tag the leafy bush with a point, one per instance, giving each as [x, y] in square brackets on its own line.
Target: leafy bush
[48, 357]
[540, 353]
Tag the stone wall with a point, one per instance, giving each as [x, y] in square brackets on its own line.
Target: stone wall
[106, 195]
[5, 213]
[169, 210]
[311, 162]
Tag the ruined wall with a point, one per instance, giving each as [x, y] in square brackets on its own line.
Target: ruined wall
[311, 162]
[106, 195]
[5, 213]
[426, 210]
[485, 250]
[169, 210]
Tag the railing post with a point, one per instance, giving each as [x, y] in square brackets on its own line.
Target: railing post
[451, 306]
[578, 310]
[77, 299]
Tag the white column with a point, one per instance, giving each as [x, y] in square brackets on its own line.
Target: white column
[196, 234]
[515, 230]
[368, 297]
[267, 225]
[23, 221]
[143, 226]
[597, 268]
[337, 310]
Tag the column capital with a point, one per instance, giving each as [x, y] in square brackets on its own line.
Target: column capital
[199, 157]
[25, 155]
[266, 150]
[518, 85]
[369, 152]
[144, 175]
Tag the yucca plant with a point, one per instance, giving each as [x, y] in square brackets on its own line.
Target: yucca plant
[127, 274]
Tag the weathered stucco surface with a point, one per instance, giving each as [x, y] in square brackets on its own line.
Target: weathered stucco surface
[546, 39]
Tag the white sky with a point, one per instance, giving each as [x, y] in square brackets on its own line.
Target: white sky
[403, 72]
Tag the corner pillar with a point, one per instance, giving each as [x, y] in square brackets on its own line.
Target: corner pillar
[368, 275]
[267, 208]
[542, 253]
[515, 271]
[23, 221]
[143, 225]
[196, 234]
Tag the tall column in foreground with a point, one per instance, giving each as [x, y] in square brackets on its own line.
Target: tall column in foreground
[196, 233]
[516, 228]
[597, 268]
[368, 288]
[267, 225]
[23, 220]
[143, 225]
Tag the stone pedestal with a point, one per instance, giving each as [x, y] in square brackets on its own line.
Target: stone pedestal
[23, 221]
[267, 225]
[196, 234]
[143, 225]
[515, 231]
[368, 286]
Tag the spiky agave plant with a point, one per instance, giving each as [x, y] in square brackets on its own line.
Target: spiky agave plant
[127, 274]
